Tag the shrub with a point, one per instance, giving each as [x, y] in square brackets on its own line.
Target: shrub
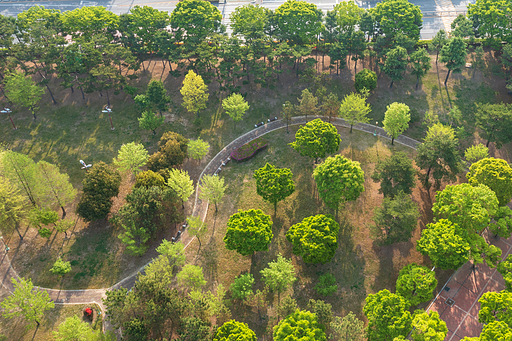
[60, 267]
[365, 79]
[326, 285]
[45, 233]
[248, 150]
[242, 286]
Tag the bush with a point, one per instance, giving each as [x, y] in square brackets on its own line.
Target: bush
[45, 233]
[242, 286]
[248, 150]
[365, 79]
[60, 267]
[326, 285]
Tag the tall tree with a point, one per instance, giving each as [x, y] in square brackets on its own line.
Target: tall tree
[315, 238]
[307, 104]
[212, 188]
[23, 91]
[85, 22]
[235, 106]
[196, 228]
[195, 20]
[348, 328]
[494, 122]
[331, 106]
[438, 41]
[348, 15]
[398, 16]
[420, 63]
[453, 54]
[250, 21]
[416, 283]
[248, 232]
[150, 121]
[491, 20]
[495, 174]
[172, 151]
[298, 21]
[21, 171]
[197, 149]
[157, 95]
[13, 207]
[279, 275]
[27, 301]
[354, 109]
[274, 184]
[194, 91]
[179, 181]
[301, 325]
[395, 64]
[131, 157]
[288, 112]
[428, 327]
[191, 277]
[54, 187]
[396, 119]
[316, 139]
[396, 174]
[234, 330]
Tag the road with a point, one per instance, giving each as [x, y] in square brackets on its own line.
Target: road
[438, 14]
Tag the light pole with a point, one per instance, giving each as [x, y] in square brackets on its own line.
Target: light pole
[8, 112]
[108, 110]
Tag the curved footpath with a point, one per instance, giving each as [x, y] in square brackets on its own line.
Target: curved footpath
[86, 296]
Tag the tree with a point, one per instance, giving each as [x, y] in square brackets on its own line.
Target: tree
[420, 63]
[196, 228]
[172, 151]
[395, 64]
[286, 307]
[495, 174]
[173, 252]
[491, 21]
[274, 184]
[338, 55]
[315, 238]
[307, 103]
[496, 306]
[453, 54]
[60, 267]
[85, 22]
[181, 183]
[396, 219]
[235, 106]
[348, 328]
[501, 224]
[197, 149]
[249, 21]
[279, 275]
[505, 269]
[428, 327]
[323, 312]
[191, 277]
[387, 316]
[439, 155]
[150, 121]
[396, 174]
[416, 283]
[365, 79]
[13, 207]
[234, 330]
[21, 171]
[348, 15]
[194, 91]
[316, 139]
[64, 225]
[149, 179]
[331, 106]
[463, 27]
[212, 188]
[476, 153]
[73, 328]
[478, 59]
[438, 41]
[23, 91]
[495, 122]
[248, 232]
[326, 285]
[497, 330]
[53, 187]
[398, 16]
[242, 286]
[354, 109]
[470, 207]
[26, 301]
[195, 20]
[298, 21]
[396, 119]
[301, 325]
[131, 157]
[442, 242]
[339, 180]
[193, 328]
[156, 93]
[288, 111]
[100, 184]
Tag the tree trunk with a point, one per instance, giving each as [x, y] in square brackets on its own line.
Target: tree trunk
[51, 94]
[437, 55]
[392, 140]
[63, 212]
[72, 90]
[33, 113]
[351, 128]
[417, 81]
[448, 75]
[18, 230]
[355, 67]
[391, 85]
[488, 141]
[108, 97]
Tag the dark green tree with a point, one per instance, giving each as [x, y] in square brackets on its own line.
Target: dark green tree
[298, 21]
[438, 41]
[395, 64]
[398, 16]
[494, 122]
[420, 63]
[396, 174]
[365, 79]
[416, 283]
[453, 54]
[274, 184]
[172, 151]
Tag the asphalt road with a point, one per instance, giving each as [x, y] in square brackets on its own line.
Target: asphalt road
[438, 14]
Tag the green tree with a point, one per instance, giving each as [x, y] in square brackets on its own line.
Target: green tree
[428, 327]
[23, 91]
[494, 122]
[497, 330]
[60, 267]
[396, 119]
[396, 174]
[301, 325]
[74, 329]
[463, 27]
[307, 103]
[398, 16]
[26, 301]
[250, 21]
[234, 330]
[64, 225]
[354, 109]
[150, 121]
[156, 93]
[416, 284]
[331, 106]
[197, 149]
[279, 275]
[348, 15]
[387, 316]
[496, 306]
[476, 153]
[286, 307]
[470, 207]
[195, 20]
[505, 269]
[396, 219]
[288, 112]
[438, 41]
[194, 329]
[326, 285]
[453, 54]
[196, 228]
[442, 242]
[248, 232]
[395, 64]
[420, 63]
[149, 179]
[315, 238]
[242, 286]
[100, 184]
[478, 59]
[316, 139]
[181, 183]
[173, 251]
[439, 155]
[274, 184]
[194, 91]
[212, 188]
[501, 224]
[365, 79]
[495, 174]
[131, 157]
[298, 21]
[491, 21]
[13, 207]
[235, 106]
[348, 328]
[85, 22]
[172, 151]
[191, 277]
[21, 171]
[339, 180]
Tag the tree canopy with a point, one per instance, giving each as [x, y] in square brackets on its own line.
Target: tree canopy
[354, 109]
[298, 21]
[495, 122]
[495, 174]
[235, 106]
[398, 16]
[194, 91]
[301, 325]
[274, 184]
[396, 119]
[416, 283]
[131, 157]
[316, 139]
[428, 327]
[234, 330]
[248, 232]
[396, 174]
[212, 188]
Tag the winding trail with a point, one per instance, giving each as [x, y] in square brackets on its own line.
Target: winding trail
[86, 296]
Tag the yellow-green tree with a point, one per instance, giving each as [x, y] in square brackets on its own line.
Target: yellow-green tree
[194, 92]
